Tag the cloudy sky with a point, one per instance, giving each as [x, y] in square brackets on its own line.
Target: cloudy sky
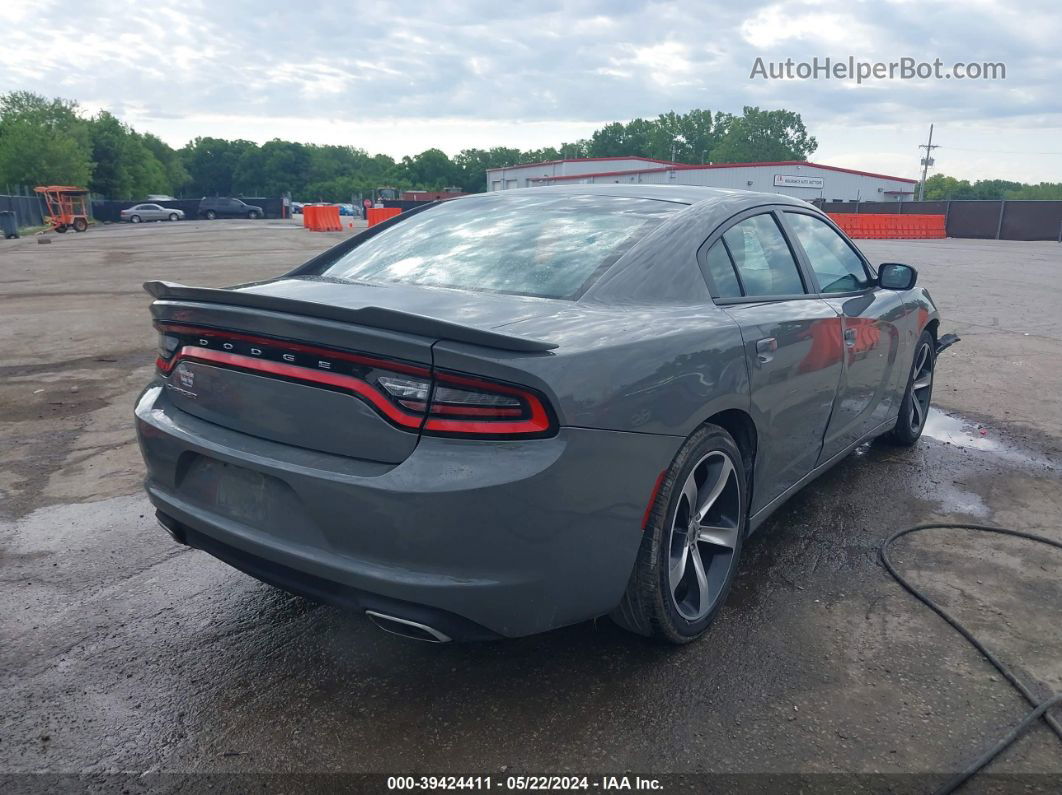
[399, 78]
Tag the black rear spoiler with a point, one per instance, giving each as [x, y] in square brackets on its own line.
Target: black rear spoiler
[374, 316]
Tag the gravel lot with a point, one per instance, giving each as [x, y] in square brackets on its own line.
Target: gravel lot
[123, 653]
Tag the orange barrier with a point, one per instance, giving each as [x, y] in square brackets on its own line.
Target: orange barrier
[376, 215]
[322, 218]
[882, 226]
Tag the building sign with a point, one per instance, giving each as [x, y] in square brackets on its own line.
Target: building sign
[792, 181]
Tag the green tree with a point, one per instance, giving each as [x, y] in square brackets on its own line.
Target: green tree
[176, 174]
[995, 188]
[276, 167]
[691, 136]
[113, 175]
[42, 141]
[432, 169]
[618, 139]
[126, 165]
[940, 187]
[1042, 190]
[763, 136]
[472, 165]
[211, 164]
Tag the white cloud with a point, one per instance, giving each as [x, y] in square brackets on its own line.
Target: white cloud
[401, 78]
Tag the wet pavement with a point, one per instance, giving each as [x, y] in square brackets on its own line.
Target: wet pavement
[123, 652]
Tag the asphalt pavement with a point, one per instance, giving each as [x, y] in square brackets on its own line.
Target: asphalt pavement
[124, 656]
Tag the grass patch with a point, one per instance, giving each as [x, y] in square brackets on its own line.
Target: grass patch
[26, 231]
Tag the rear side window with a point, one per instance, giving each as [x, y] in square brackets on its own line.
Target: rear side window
[762, 257]
[721, 270]
[550, 245]
[837, 267]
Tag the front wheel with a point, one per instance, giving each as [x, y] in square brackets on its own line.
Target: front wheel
[211, 215]
[252, 215]
[61, 229]
[80, 225]
[692, 544]
[173, 216]
[914, 408]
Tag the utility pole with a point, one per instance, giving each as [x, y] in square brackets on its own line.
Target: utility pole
[927, 161]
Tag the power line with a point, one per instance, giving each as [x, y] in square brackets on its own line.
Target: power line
[1000, 151]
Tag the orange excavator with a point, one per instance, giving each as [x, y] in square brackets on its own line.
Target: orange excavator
[67, 207]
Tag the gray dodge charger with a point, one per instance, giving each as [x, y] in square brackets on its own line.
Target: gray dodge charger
[504, 413]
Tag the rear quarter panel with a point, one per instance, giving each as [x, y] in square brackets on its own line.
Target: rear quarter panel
[659, 370]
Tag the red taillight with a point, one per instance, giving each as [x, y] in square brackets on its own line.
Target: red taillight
[411, 396]
[464, 405]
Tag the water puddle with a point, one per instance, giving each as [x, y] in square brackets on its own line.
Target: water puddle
[955, 430]
[966, 434]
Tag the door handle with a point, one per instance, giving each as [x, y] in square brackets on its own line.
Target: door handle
[850, 337]
[765, 349]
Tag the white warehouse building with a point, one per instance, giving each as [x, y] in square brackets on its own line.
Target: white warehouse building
[801, 179]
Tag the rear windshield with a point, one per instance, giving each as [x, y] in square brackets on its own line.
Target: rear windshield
[552, 246]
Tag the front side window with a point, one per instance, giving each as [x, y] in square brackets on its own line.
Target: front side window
[837, 267]
[762, 258]
[550, 246]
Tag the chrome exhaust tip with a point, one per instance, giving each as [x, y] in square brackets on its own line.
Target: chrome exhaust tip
[406, 628]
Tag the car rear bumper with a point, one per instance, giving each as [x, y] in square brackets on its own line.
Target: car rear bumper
[486, 537]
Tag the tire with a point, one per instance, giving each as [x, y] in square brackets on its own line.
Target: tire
[134, 219]
[61, 229]
[173, 217]
[210, 215]
[80, 225]
[914, 408]
[680, 609]
[252, 215]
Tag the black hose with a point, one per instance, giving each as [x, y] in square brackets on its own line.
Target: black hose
[1040, 708]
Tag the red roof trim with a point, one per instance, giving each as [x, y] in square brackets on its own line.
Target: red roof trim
[696, 166]
[586, 160]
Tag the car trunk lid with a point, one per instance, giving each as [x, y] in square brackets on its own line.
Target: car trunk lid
[349, 377]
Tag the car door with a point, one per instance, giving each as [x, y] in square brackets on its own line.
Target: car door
[792, 344]
[152, 212]
[867, 394]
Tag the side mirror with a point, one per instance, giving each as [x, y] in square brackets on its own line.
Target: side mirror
[896, 276]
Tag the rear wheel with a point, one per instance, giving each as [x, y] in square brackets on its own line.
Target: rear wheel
[134, 219]
[211, 215]
[914, 408]
[691, 548]
[80, 224]
[173, 216]
[61, 228]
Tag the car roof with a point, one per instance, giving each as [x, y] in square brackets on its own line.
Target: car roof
[682, 194]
